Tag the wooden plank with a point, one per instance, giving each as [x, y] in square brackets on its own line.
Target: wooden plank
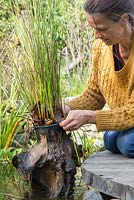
[112, 174]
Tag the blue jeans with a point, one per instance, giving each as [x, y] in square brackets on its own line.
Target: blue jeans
[120, 142]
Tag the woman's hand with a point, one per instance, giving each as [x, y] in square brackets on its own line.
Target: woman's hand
[77, 118]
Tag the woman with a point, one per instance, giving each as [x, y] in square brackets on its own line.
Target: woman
[111, 77]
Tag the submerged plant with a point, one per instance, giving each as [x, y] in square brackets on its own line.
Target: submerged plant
[37, 67]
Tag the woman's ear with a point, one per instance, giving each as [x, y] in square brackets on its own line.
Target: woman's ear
[124, 19]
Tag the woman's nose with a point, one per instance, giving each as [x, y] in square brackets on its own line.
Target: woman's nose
[97, 34]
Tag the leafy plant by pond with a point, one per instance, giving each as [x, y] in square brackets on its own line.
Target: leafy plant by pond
[10, 115]
[11, 122]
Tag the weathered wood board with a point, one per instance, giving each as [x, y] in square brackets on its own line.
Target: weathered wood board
[112, 174]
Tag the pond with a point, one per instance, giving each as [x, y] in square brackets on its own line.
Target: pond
[13, 188]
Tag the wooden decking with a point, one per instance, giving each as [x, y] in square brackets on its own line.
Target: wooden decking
[111, 174]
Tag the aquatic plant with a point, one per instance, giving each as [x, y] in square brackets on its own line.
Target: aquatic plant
[37, 67]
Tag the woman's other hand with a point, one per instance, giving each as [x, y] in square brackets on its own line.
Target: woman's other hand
[77, 118]
[65, 109]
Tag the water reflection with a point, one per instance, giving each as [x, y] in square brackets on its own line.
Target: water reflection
[13, 188]
[40, 196]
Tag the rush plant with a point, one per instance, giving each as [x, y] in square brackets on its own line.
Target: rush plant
[37, 65]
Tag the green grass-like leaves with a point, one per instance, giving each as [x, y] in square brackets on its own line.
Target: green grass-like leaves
[37, 68]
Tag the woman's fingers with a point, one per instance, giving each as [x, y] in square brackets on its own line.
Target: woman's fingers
[71, 122]
[66, 122]
[77, 118]
[72, 125]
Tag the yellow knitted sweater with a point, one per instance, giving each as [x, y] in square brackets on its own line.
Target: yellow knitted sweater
[105, 85]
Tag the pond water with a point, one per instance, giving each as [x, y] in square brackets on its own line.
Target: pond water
[13, 188]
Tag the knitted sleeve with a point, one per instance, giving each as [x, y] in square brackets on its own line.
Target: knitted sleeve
[117, 119]
[91, 98]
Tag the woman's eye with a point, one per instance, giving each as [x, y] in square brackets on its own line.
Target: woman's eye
[103, 29]
[100, 30]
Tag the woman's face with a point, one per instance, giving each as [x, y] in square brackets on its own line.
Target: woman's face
[105, 29]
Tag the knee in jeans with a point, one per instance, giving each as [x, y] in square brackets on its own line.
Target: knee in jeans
[128, 152]
[110, 138]
[126, 148]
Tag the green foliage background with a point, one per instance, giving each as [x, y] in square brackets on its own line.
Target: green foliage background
[6, 22]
